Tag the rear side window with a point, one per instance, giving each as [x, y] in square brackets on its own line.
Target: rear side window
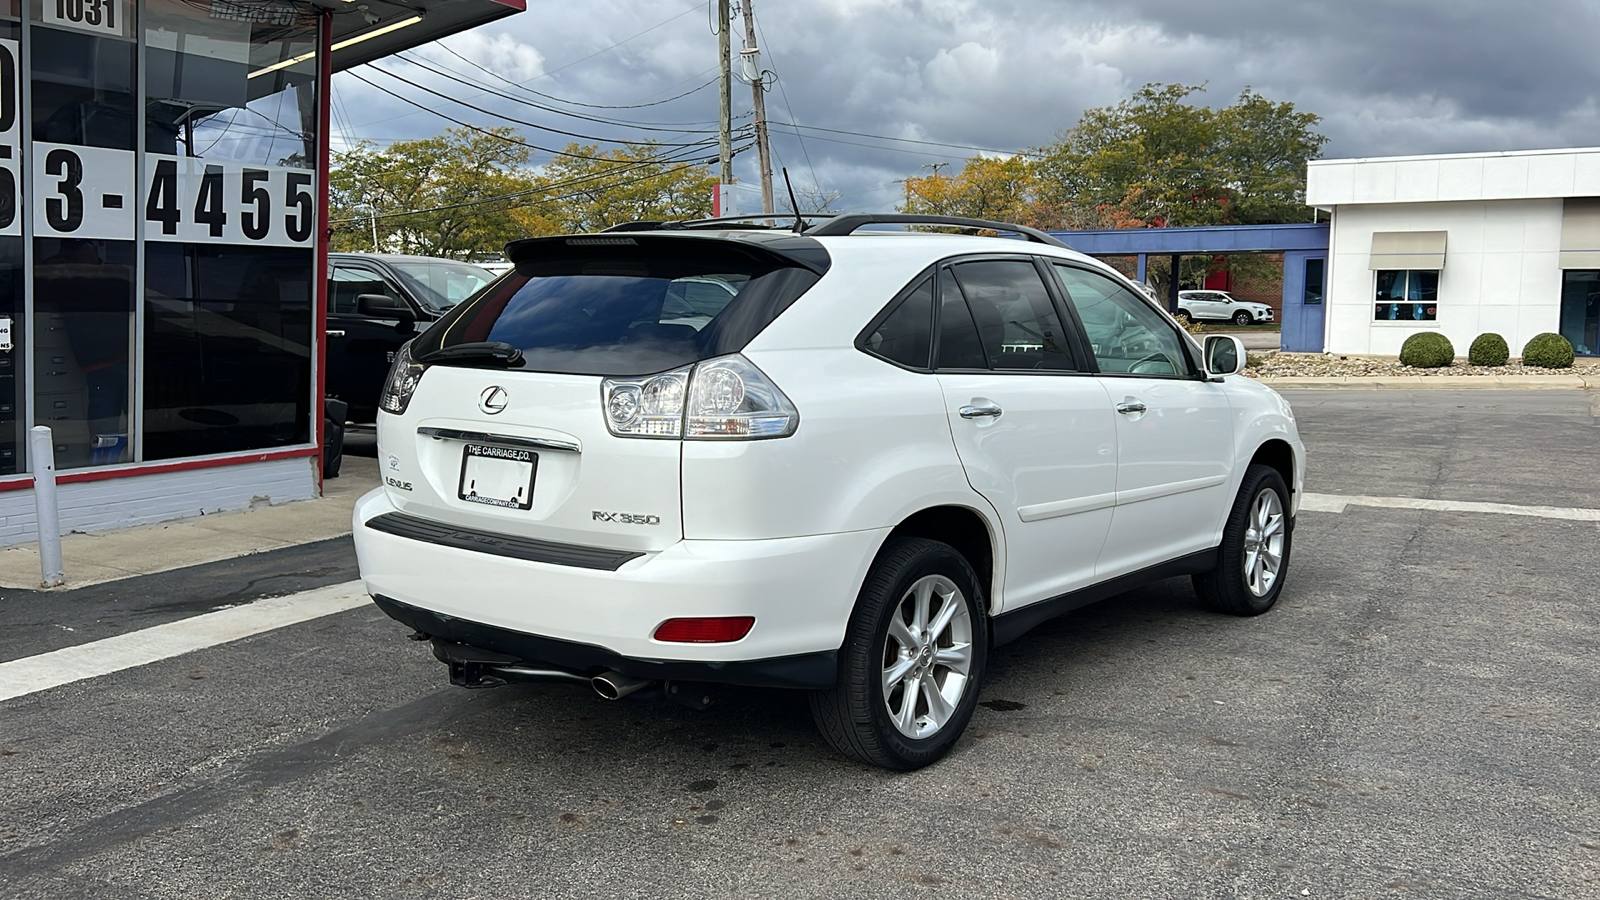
[1017, 322]
[620, 309]
[905, 335]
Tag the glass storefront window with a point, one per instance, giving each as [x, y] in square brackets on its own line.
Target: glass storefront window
[82, 89]
[1580, 311]
[218, 86]
[82, 344]
[227, 360]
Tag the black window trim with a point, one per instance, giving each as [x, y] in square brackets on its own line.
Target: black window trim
[1191, 352]
[378, 274]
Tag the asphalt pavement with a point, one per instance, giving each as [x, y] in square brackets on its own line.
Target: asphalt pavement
[1415, 718]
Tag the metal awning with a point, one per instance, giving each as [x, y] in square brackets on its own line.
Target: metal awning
[1580, 233]
[1407, 250]
[373, 29]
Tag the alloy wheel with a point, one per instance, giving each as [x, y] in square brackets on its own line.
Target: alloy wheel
[1263, 543]
[927, 656]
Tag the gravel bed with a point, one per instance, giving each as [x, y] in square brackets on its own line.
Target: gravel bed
[1329, 365]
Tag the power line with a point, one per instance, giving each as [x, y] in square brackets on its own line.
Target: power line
[469, 126]
[643, 126]
[523, 122]
[884, 137]
[785, 95]
[520, 86]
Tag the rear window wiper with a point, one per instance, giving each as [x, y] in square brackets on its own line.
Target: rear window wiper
[477, 351]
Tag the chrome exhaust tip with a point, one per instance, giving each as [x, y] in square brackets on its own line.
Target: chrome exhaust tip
[615, 685]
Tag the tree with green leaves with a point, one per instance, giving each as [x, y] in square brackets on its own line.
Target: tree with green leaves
[588, 190]
[439, 196]
[1156, 159]
[986, 188]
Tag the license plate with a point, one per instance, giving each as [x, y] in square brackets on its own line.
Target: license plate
[497, 476]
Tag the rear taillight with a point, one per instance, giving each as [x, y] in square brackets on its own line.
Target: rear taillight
[726, 398]
[404, 376]
[710, 630]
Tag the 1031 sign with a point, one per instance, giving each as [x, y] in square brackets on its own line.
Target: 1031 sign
[202, 201]
[99, 16]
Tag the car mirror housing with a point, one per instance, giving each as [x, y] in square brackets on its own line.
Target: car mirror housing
[1225, 355]
[382, 306]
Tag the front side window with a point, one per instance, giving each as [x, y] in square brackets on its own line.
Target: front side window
[1126, 335]
[349, 283]
[442, 284]
[1407, 295]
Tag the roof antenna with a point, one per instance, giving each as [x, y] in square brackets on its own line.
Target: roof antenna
[799, 227]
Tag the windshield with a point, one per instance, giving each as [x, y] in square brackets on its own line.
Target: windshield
[442, 284]
[627, 310]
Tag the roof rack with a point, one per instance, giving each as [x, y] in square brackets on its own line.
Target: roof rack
[751, 221]
[849, 224]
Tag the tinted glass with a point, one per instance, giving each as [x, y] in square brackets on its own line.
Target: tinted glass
[906, 334]
[442, 285]
[227, 363]
[83, 335]
[82, 89]
[1126, 335]
[603, 308]
[12, 377]
[1017, 322]
[1407, 295]
[349, 283]
[959, 345]
[1313, 290]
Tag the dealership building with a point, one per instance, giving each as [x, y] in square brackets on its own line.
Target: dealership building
[1462, 244]
[163, 208]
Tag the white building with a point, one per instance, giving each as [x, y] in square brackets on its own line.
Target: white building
[1462, 243]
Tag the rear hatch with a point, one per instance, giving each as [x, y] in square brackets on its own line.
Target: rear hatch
[504, 428]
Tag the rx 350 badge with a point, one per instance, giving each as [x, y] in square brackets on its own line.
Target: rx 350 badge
[626, 518]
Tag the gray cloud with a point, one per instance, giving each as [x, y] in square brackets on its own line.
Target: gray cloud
[1419, 76]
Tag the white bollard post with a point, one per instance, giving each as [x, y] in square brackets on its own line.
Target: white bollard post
[42, 453]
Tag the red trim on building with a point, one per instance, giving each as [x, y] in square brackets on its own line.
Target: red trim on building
[518, 5]
[24, 482]
[324, 230]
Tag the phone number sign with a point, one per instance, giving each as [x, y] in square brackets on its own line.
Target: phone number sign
[90, 192]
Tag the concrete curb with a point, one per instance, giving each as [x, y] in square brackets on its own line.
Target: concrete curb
[1435, 382]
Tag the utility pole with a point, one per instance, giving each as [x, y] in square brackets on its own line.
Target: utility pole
[725, 121]
[758, 88]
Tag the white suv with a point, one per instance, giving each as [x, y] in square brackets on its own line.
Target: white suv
[880, 456]
[1221, 306]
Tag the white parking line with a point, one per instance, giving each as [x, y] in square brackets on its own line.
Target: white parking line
[1336, 503]
[20, 677]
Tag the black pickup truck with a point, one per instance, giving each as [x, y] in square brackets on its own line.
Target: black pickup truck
[376, 302]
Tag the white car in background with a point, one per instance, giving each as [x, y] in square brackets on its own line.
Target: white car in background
[1219, 306]
[675, 455]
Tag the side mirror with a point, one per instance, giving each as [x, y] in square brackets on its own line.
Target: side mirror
[1225, 354]
[383, 306]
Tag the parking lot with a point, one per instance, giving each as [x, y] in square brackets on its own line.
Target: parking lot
[1417, 717]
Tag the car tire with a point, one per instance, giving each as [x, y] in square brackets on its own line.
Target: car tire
[1246, 582]
[1182, 315]
[1242, 318]
[913, 581]
[332, 448]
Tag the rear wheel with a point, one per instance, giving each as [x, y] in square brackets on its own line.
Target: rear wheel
[1254, 556]
[1183, 315]
[1242, 318]
[912, 661]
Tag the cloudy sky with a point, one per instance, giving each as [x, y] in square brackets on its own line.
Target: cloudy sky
[946, 76]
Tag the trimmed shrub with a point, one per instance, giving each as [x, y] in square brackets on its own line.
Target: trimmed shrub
[1548, 350]
[1489, 350]
[1427, 350]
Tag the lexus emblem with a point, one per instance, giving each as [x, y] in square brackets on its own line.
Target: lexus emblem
[492, 400]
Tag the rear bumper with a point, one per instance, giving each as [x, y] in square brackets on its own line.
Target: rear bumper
[807, 670]
[800, 591]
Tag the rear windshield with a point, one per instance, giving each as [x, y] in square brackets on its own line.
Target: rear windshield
[627, 310]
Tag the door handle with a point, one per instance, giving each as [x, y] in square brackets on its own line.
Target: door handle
[335, 332]
[980, 411]
[1129, 407]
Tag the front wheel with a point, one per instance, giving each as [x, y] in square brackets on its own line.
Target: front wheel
[1242, 318]
[912, 661]
[1254, 556]
[1184, 316]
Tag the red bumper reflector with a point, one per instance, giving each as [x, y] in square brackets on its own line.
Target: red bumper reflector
[720, 630]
